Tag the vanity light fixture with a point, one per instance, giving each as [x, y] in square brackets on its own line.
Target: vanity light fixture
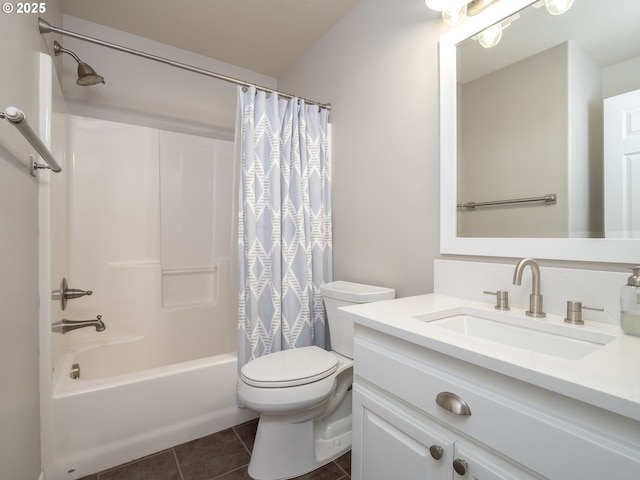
[454, 15]
[455, 11]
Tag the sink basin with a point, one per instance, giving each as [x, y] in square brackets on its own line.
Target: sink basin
[531, 335]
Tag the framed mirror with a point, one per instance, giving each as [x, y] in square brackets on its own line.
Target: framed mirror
[526, 152]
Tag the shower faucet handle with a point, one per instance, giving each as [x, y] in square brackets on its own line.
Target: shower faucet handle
[502, 299]
[76, 293]
[65, 293]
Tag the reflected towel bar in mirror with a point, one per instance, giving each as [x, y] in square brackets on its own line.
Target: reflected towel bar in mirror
[548, 199]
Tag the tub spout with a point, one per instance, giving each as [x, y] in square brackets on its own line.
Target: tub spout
[64, 325]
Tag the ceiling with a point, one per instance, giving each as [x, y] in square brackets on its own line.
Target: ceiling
[265, 36]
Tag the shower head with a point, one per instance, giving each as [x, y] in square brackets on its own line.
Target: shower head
[86, 75]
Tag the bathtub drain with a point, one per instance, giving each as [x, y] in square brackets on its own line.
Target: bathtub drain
[75, 371]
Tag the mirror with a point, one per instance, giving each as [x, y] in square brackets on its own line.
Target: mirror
[524, 120]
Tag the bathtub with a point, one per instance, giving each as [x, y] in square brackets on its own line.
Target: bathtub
[129, 402]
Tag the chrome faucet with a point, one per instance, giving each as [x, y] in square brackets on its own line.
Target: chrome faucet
[535, 299]
[64, 325]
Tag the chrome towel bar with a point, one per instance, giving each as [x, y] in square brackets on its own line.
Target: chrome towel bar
[549, 199]
[17, 118]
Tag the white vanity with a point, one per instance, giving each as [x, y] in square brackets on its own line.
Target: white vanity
[435, 398]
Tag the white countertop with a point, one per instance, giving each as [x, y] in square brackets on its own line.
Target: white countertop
[608, 377]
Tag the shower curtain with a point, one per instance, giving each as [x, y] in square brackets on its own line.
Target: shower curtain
[284, 223]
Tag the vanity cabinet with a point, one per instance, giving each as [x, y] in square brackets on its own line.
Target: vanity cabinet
[513, 430]
[396, 443]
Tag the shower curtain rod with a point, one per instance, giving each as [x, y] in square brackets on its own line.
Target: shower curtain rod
[46, 27]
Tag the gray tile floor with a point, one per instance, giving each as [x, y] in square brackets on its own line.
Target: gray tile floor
[222, 456]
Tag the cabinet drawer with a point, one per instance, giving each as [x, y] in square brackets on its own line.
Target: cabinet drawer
[534, 437]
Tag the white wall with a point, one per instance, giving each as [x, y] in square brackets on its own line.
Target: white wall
[379, 69]
[621, 78]
[19, 303]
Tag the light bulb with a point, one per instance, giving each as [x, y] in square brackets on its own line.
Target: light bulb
[556, 7]
[490, 37]
[454, 15]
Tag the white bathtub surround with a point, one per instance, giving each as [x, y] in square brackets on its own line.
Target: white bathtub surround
[284, 223]
[146, 218]
[469, 280]
[144, 196]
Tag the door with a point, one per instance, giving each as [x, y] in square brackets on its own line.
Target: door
[389, 443]
[622, 165]
[472, 462]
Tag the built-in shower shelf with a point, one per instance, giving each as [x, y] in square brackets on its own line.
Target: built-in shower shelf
[189, 286]
[188, 271]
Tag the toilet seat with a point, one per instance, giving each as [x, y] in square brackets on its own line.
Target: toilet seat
[289, 368]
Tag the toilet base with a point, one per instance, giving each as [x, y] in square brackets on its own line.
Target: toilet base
[284, 450]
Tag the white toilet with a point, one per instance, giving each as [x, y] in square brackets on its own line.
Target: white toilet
[303, 395]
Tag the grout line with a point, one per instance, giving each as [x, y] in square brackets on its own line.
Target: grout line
[241, 441]
[342, 470]
[227, 473]
[175, 457]
[347, 475]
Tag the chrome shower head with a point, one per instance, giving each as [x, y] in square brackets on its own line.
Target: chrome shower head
[86, 75]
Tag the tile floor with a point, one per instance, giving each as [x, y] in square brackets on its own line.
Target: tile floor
[221, 456]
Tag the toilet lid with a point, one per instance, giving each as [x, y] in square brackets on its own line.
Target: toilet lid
[288, 368]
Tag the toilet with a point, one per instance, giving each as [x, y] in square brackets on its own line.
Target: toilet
[303, 395]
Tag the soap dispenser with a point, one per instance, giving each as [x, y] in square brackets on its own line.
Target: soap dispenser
[630, 304]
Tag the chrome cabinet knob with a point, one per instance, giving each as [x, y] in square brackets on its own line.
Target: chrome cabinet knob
[436, 451]
[460, 466]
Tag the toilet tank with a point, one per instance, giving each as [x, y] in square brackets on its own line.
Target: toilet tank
[341, 294]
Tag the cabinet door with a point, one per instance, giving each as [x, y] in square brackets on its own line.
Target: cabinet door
[389, 442]
[474, 463]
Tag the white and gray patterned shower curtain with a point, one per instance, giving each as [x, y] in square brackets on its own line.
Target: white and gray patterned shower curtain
[284, 223]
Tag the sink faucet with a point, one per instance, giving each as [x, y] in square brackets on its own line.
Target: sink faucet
[535, 299]
[64, 325]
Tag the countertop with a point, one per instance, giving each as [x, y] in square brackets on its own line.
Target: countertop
[608, 378]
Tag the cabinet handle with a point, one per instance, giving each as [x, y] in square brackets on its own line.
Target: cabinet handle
[453, 403]
[460, 466]
[436, 451]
